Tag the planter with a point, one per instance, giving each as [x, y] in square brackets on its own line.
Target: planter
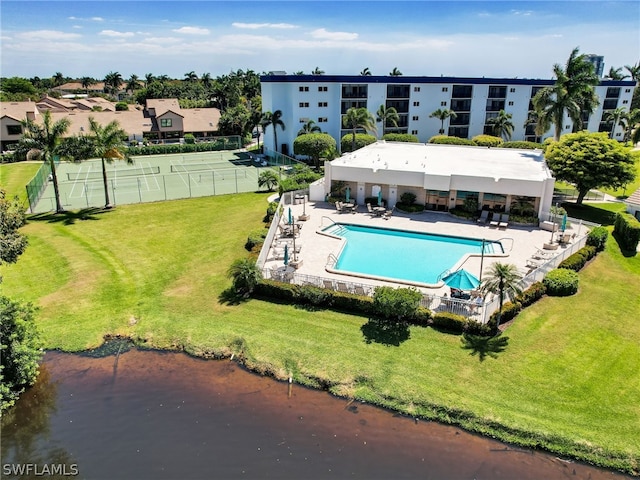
[550, 246]
[304, 218]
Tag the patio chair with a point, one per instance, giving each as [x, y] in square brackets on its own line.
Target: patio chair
[278, 254]
[495, 219]
[359, 290]
[388, 213]
[370, 210]
[504, 221]
[533, 264]
[484, 216]
[339, 207]
[276, 273]
[328, 284]
[541, 255]
[342, 287]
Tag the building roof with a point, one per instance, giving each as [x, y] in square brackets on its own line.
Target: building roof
[200, 119]
[449, 160]
[99, 86]
[162, 105]
[18, 110]
[634, 198]
[131, 121]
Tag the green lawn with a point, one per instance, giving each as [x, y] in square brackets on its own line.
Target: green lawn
[568, 380]
[14, 178]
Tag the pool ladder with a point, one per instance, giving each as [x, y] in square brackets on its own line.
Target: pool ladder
[331, 260]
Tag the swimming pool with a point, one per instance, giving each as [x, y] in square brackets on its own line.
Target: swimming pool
[401, 255]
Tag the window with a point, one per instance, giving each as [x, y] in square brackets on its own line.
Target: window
[511, 104]
[414, 132]
[303, 89]
[624, 102]
[445, 89]
[322, 120]
[322, 104]
[416, 89]
[443, 104]
[303, 104]
[303, 120]
[416, 104]
[415, 118]
[14, 129]
[512, 90]
[322, 89]
[627, 90]
[166, 122]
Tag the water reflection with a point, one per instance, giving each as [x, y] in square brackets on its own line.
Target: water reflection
[166, 415]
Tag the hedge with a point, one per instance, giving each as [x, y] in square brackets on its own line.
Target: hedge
[449, 322]
[626, 229]
[531, 295]
[576, 261]
[446, 140]
[487, 141]
[598, 238]
[362, 140]
[400, 137]
[521, 144]
[509, 312]
[218, 144]
[561, 282]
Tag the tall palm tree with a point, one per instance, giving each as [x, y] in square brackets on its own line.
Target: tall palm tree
[358, 118]
[46, 137]
[58, 79]
[133, 83]
[366, 72]
[275, 120]
[616, 117]
[148, 78]
[190, 76]
[395, 72]
[86, 82]
[502, 126]
[387, 115]
[442, 115]
[112, 82]
[309, 127]
[206, 79]
[632, 126]
[573, 92]
[616, 74]
[501, 279]
[108, 144]
[634, 71]
[317, 71]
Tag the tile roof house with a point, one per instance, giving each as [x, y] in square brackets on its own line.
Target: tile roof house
[633, 204]
[12, 114]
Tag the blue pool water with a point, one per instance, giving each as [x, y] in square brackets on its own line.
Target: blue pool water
[403, 255]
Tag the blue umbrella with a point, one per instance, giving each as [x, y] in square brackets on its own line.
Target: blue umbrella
[462, 280]
[348, 194]
[563, 227]
[286, 254]
[380, 198]
[290, 216]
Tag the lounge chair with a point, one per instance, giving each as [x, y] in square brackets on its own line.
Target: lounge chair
[370, 210]
[328, 284]
[541, 255]
[504, 221]
[533, 264]
[484, 216]
[278, 254]
[359, 290]
[339, 207]
[495, 219]
[342, 287]
[388, 213]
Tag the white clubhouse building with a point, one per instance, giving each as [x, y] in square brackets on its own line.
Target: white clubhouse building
[441, 176]
[326, 98]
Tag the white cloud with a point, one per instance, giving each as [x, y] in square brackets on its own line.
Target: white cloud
[49, 35]
[323, 34]
[97, 19]
[192, 30]
[92, 19]
[255, 26]
[114, 34]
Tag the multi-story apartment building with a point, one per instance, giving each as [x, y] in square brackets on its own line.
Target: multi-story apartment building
[326, 98]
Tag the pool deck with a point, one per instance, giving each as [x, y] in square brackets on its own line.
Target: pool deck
[316, 248]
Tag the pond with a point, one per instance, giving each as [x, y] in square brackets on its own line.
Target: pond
[153, 415]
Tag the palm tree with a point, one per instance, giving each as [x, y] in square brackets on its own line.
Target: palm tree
[46, 138]
[502, 126]
[366, 72]
[573, 92]
[309, 127]
[634, 71]
[112, 82]
[632, 126]
[358, 118]
[616, 74]
[86, 82]
[190, 76]
[206, 79]
[442, 115]
[245, 275]
[387, 115]
[317, 71]
[269, 179]
[616, 117]
[133, 83]
[503, 280]
[148, 78]
[108, 145]
[299, 72]
[58, 79]
[395, 72]
[274, 119]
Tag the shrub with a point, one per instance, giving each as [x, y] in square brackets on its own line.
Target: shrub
[561, 282]
[400, 137]
[598, 238]
[509, 312]
[627, 231]
[362, 140]
[531, 295]
[449, 322]
[476, 328]
[374, 200]
[351, 303]
[421, 317]
[271, 210]
[487, 141]
[521, 144]
[308, 294]
[410, 208]
[391, 302]
[446, 140]
[189, 138]
[408, 198]
[589, 252]
[574, 262]
[272, 289]
[122, 107]
[255, 239]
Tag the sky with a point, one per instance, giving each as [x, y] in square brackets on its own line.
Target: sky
[421, 38]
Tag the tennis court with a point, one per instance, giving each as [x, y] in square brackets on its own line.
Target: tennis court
[152, 179]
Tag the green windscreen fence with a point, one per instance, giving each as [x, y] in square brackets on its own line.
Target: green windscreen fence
[38, 184]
